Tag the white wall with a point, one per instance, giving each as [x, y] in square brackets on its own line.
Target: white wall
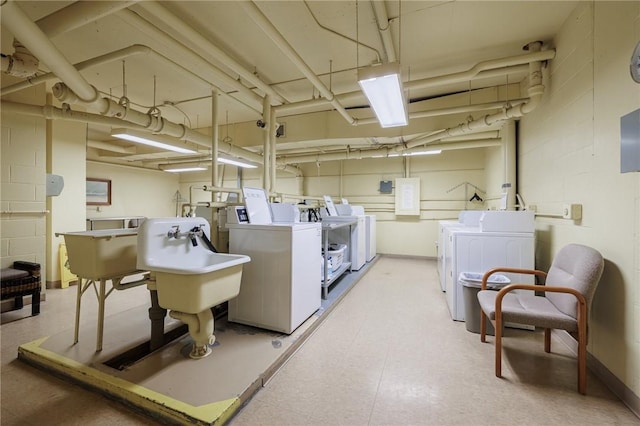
[66, 157]
[569, 153]
[359, 182]
[134, 192]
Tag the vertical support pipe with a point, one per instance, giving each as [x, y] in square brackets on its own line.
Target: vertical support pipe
[214, 143]
[272, 152]
[509, 154]
[266, 150]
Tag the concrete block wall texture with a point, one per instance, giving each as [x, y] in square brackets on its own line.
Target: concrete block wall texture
[569, 153]
[22, 185]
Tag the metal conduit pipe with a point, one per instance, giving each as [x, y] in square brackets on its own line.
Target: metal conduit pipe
[384, 152]
[248, 97]
[384, 29]
[78, 14]
[263, 22]
[195, 37]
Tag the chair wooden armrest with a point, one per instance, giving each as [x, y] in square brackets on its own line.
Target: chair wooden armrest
[490, 272]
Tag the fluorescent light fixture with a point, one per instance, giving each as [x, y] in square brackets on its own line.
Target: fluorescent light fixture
[236, 163]
[432, 152]
[157, 141]
[382, 86]
[177, 169]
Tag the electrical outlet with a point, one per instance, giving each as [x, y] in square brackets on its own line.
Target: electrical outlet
[572, 211]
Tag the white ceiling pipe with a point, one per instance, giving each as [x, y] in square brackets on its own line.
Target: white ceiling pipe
[25, 30]
[384, 29]
[535, 92]
[526, 58]
[384, 152]
[215, 142]
[195, 37]
[248, 97]
[78, 14]
[271, 31]
[466, 108]
[272, 154]
[120, 54]
[78, 89]
[136, 49]
[430, 82]
[266, 141]
[21, 63]
[51, 112]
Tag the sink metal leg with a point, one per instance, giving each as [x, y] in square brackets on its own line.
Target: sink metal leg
[157, 316]
[101, 299]
[78, 299]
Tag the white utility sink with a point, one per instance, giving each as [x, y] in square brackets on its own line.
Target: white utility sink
[190, 278]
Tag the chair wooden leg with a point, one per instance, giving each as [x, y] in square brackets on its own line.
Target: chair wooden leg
[547, 340]
[483, 326]
[582, 361]
[498, 343]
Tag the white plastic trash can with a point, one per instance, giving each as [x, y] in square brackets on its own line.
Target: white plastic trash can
[471, 285]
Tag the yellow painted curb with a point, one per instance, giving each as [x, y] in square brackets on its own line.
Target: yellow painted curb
[215, 413]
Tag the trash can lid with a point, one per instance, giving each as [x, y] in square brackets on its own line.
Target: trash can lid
[474, 279]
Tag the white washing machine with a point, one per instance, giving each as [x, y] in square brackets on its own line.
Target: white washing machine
[370, 243]
[466, 219]
[503, 239]
[281, 286]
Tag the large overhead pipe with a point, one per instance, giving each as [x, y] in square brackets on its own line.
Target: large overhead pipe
[78, 14]
[25, 30]
[273, 33]
[244, 94]
[193, 36]
[386, 152]
[384, 29]
[484, 69]
[51, 112]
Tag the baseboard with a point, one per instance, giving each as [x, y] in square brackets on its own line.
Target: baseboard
[622, 391]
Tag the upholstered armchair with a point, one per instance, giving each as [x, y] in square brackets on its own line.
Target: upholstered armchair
[563, 302]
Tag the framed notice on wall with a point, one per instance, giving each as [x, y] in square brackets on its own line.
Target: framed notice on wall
[408, 196]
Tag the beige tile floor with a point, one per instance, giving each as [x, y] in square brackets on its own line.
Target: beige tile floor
[388, 354]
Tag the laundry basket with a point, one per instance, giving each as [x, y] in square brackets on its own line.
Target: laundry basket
[471, 284]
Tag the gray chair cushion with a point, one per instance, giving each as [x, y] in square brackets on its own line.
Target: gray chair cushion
[578, 267]
[524, 307]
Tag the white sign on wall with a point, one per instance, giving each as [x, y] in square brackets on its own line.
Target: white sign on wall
[408, 196]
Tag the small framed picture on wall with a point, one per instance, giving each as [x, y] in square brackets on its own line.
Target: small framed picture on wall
[98, 192]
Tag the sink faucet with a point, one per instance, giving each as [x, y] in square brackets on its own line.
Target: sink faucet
[174, 232]
[194, 232]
